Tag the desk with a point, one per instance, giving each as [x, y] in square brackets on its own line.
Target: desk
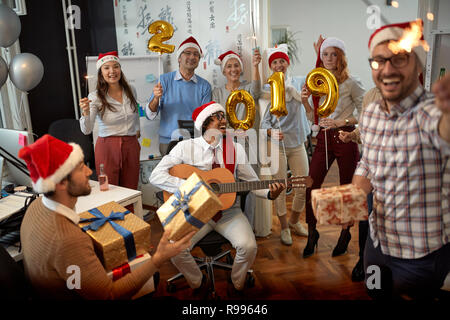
[122, 196]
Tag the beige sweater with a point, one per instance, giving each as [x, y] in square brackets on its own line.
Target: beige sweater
[51, 243]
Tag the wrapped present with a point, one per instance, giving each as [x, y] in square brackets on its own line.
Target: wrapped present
[189, 208]
[119, 236]
[339, 205]
[126, 268]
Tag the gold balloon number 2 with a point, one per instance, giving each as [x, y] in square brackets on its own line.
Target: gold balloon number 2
[162, 31]
[322, 82]
[278, 94]
[240, 96]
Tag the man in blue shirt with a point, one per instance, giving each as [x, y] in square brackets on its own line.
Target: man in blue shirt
[178, 93]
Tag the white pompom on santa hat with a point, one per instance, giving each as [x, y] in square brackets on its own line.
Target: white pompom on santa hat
[223, 59]
[202, 113]
[106, 57]
[395, 32]
[279, 51]
[189, 43]
[49, 161]
[332, 42]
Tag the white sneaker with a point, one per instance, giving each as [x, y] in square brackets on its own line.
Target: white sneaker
[286, 237]
[298, 229]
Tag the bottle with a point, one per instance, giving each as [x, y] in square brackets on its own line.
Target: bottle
[103, 179]
[441, 73]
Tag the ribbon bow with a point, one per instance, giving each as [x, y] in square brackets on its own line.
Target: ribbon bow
[99, 220]
[182, 203]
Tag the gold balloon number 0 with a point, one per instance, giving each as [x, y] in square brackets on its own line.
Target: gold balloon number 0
[162, 31]
[240, 96]
[278, 94]
[322, 82]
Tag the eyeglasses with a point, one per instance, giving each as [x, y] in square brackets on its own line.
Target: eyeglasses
[397, 61]
[219, 115]
[190, 53]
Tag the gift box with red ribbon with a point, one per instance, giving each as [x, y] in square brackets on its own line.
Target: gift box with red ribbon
[126, 268]
[339, 205]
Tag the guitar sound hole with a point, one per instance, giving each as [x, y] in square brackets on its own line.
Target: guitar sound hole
[215, 187]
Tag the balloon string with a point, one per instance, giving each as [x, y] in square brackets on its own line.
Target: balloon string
[326, 149]
[159, 74]
[282, 143]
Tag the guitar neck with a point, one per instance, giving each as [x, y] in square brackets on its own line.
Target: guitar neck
[246, 185]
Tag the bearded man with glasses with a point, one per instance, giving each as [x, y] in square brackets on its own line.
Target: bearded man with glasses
[406, 149]
[178, 93]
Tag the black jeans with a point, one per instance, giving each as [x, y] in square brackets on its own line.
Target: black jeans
[417, 278]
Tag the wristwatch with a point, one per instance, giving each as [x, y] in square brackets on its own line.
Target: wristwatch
[346, 122]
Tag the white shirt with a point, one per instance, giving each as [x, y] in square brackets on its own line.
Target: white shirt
[61, 209]
[198, 153]
[121, 122]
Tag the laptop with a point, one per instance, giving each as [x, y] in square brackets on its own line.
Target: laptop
[188, 125]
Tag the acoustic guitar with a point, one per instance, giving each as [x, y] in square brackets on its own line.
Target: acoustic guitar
[222, 182]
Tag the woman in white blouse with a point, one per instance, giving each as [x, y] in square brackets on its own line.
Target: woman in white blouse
[331, 56]
[113, 105]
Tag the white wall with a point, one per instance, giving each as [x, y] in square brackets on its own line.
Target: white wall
[344, 19]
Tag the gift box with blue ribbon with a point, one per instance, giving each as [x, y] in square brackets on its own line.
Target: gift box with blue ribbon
[189, 208]
[118, 235]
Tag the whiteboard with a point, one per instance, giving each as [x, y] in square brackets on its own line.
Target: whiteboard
[142, 73]
[218, 26]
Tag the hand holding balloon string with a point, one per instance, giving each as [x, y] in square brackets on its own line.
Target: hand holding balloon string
[162, 31]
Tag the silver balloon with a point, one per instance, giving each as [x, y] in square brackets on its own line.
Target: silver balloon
[9, 26]
[3, 72]
[26, 71]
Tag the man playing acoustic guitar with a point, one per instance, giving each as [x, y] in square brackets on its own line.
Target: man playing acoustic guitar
[207, 152]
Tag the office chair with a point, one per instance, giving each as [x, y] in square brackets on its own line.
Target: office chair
[68, 130]
[13, 283]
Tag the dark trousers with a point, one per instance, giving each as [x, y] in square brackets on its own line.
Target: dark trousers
[417, 278]
[347, 156]
[364, 227]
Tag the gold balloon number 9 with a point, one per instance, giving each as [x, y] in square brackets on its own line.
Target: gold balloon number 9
[322, 82]
[240, 96]
[278, 94]
[162, 31]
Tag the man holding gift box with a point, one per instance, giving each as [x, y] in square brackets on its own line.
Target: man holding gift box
[406, 147]
[207, 152]
[53, 243]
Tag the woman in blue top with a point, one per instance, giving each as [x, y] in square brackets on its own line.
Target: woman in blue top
[293, 133]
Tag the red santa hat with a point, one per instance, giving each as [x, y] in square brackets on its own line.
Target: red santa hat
[395, 32]
[202, 113]
[223, 58]
[189, 43]
[332, 42]
[106, 57]
[280, 51]
[50, 160]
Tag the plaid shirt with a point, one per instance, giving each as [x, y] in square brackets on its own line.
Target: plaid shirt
[408, 165]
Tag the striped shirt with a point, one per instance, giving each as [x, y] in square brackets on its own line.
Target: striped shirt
[407, 163]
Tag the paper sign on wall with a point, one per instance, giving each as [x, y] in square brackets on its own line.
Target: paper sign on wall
[146, 142]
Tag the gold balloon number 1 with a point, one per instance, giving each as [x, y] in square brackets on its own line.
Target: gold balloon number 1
[322, 82]
[278, 94]
[240, 96]
[162, 31]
